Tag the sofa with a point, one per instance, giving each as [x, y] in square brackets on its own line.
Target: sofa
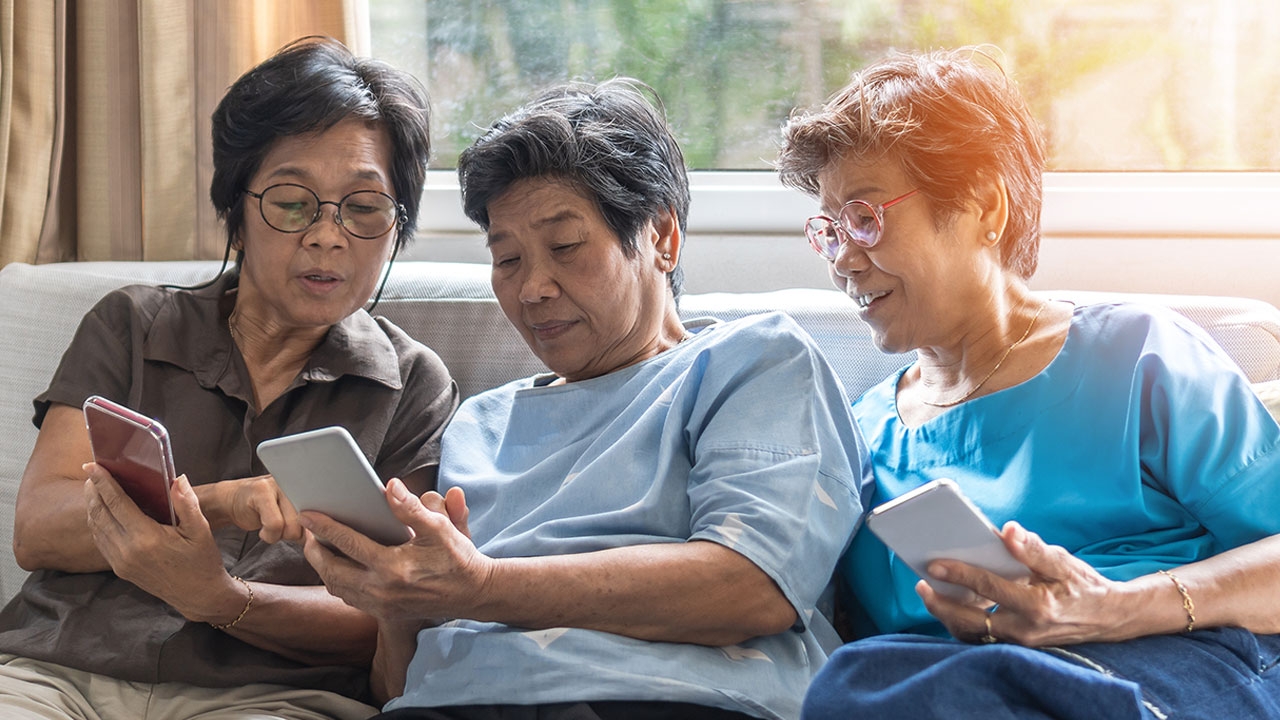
[449, 307]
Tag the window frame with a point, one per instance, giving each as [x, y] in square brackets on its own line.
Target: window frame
[1113, 204]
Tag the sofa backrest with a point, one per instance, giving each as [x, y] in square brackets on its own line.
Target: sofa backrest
[450, 307]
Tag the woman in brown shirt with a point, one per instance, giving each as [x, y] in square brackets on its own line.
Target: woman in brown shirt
[281, 344]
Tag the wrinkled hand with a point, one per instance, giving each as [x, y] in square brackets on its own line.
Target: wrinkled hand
[179, 564]
[437, 574]
[254, 503]
[1065, 601]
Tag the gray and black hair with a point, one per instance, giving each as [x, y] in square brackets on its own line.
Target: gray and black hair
[610, 141]
[951, 118]
[311, 85]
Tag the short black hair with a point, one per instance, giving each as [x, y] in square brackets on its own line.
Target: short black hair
[610, 141]
[310, 85]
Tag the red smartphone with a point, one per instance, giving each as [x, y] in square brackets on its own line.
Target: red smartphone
[135, 450]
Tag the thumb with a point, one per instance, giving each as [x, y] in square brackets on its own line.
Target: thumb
[186, 508]
[410, 510]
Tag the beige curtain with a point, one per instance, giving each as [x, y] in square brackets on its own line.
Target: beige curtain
[104, 117]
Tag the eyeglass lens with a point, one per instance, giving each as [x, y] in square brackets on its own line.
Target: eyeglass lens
[857, 220]
[294, 208]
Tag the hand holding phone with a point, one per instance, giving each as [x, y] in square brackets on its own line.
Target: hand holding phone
[937, 522]
[324, 470]
[135, 450]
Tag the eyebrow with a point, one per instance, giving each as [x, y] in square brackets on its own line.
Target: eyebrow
[856, 194]
[562, 216]
[296, 173]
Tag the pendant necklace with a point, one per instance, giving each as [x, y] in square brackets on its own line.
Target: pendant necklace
[976, 388]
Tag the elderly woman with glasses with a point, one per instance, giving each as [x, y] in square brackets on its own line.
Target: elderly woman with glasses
[1133, 471]
[319, 162]
[645, 530]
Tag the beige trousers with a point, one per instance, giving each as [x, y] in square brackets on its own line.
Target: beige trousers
[30, 690]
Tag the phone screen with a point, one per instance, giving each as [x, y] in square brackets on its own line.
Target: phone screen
[135, 450]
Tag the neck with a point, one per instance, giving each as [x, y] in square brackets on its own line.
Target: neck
[671, 334]
[272, 356]
[946, 383]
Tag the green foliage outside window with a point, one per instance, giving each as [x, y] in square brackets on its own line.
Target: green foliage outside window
[1118, 84]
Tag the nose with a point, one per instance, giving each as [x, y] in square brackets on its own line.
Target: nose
[538, 284]
[851, 259]
[327, 233]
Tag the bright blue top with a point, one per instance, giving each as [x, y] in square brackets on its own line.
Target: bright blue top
[741, 436]
[1140, 447]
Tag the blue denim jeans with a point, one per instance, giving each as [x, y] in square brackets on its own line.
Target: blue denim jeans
[1218, 674]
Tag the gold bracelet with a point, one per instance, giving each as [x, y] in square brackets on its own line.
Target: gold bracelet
[1187, 605]
[248, 604]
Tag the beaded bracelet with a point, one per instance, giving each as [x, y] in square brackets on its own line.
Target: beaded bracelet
[1187, 605]
[248, 604]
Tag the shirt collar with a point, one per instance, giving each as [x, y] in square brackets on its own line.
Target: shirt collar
[190, 331]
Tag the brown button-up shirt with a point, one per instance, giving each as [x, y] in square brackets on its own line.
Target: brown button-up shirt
[168, 354]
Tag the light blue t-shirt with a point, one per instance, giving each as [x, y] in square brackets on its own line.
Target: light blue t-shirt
[741, 436]
[1140, 447]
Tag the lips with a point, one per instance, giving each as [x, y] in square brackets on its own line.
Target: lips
[551, 329]
[320, 280]
[864, 300]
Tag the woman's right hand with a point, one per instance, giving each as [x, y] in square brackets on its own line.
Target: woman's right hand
[254, 503]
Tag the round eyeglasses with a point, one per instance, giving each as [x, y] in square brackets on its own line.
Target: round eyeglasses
[858, 221]
[290, 208]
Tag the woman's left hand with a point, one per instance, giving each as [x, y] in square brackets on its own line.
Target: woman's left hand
[180, 564]
[1065, 601]
[439, 573]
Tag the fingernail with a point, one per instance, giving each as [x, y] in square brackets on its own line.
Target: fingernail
[398, 490]
[938, 571]
[305, 521]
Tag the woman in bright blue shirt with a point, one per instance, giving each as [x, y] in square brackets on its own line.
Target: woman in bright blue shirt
[1133, 470]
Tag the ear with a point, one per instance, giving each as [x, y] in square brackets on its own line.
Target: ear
[667, 239]
[992, 199]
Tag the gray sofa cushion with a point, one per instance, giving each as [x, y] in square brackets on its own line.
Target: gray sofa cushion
[450, 307]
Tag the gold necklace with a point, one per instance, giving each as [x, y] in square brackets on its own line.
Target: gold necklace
[976, 388]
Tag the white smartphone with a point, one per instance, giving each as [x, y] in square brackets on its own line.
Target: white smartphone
[324, 470]
[135, 450]
[937, 522]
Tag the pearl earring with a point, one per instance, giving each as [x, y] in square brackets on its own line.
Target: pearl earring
[666, 256]
[991, 236]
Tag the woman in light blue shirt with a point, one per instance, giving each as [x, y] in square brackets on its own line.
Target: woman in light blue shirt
[1131, 466]
[644, 531]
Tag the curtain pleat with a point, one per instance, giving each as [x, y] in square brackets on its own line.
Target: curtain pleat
[28, 123]
[104, 117]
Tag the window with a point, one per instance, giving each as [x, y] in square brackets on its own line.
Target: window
[1118, 84]
[1164, 166]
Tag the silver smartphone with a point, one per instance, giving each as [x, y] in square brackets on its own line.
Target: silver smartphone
[937, 522]
[324, 470]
